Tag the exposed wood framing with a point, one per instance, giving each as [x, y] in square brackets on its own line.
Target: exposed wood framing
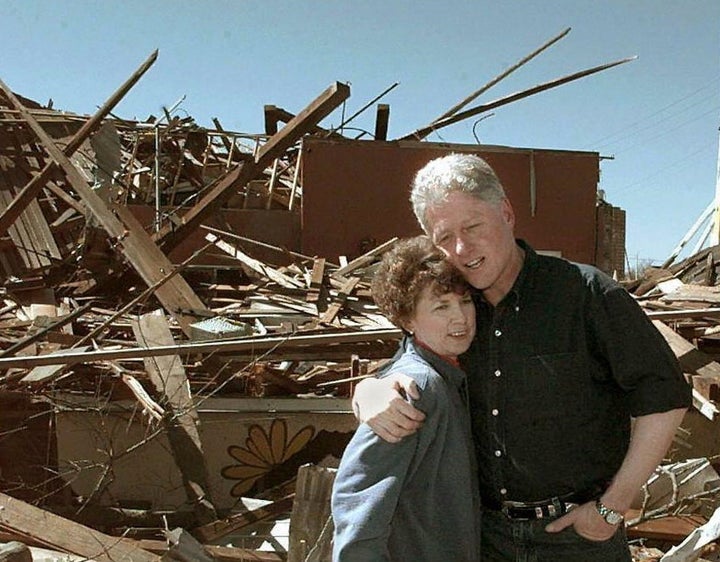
[31, 190]
[322, 106]
[135, 244]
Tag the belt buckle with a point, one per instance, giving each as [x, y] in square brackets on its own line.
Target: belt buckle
[507, 505]
[554, 507]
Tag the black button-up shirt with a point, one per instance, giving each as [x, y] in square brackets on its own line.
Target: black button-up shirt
[555, 373]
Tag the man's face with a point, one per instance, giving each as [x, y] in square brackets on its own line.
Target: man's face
[477, 238]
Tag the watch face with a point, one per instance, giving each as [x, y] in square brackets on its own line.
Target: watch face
[610, 516]
[613, 517]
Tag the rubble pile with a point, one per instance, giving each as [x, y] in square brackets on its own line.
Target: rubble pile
[172, 388]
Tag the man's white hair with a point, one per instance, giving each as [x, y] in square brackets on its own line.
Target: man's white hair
[455, 172]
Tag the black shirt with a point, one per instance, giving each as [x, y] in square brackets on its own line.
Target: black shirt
[556, 371]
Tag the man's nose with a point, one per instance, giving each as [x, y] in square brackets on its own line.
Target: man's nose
[460, 246]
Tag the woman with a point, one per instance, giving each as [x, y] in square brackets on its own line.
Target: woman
[416, 499]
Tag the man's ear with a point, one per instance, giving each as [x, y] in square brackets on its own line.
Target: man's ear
[507, 211]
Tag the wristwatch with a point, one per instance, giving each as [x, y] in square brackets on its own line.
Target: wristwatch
[610, 515]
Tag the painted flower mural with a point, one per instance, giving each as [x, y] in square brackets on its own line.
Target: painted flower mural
[263, 452]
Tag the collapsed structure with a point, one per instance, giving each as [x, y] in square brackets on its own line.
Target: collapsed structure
[185, 311]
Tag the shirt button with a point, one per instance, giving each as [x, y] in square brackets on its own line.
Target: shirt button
[498, 333]
[497, 373]
[495, 412]
[498, 453]
[503, 491]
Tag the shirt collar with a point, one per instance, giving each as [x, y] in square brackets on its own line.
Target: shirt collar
[451, 372]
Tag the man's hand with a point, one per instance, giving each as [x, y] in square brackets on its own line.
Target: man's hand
[382, 405]
[587, 523]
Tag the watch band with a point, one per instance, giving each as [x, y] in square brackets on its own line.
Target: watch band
[611, 516]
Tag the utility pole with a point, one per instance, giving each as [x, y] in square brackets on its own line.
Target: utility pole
[716, 215]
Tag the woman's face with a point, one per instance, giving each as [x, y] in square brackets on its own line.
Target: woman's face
[445, 323]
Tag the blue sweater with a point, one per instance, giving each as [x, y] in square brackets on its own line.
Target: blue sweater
[414, 500]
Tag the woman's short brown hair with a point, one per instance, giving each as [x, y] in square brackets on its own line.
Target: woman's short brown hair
[405, 270]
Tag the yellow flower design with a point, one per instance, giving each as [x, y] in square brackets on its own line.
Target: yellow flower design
[263, 451]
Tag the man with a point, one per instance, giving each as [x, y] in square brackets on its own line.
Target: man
[563, 361]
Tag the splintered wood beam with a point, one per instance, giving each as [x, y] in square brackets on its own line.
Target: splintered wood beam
[439, 124]
[33, 187]
[218, 529]
[345, 291]
[703, 371]
[316, 280]
[256, 265]
[64, 535]
[302, 123]
[271, 119]
[382, 118]
[168, 376]
[275, 115]
[124, 231]
[366, 258]
[454, 109]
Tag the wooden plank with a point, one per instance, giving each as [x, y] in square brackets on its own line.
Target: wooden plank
[67, 536]
[712, 312]
[256, 265]
[693, 293]
[219, 529]
[251, 345]
[167, 374]
[46, 373]
[332, 310]
[322, 106]
[134, 243]
[703, 371]
[671, 528]
[311, 526]
[365, 259]
[316, 280]
[382, 118]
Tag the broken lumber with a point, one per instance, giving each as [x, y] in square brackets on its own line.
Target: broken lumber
[67, 536]
[168, 376]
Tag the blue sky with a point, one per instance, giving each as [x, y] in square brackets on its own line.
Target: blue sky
[657, 116]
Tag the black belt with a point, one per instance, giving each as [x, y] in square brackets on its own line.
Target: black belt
[551, 507]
